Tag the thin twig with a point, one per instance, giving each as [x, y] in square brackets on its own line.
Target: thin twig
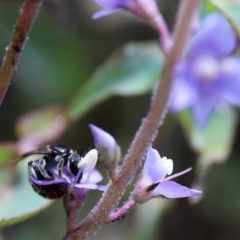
[25, 20]
[147, 132]
[162, 29]
[121, 212]
[156, 20]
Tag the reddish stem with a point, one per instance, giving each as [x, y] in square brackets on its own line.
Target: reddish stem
[25, 20]
[121, 212]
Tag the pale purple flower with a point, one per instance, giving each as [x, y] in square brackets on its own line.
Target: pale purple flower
[53, 182]
[112, 6]
[208, 76]
[106, 144]
[154, 183]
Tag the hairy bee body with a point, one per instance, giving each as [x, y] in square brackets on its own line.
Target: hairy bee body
[48, 173]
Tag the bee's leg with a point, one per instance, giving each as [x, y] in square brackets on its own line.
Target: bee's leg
[32, 170]
[60, 164]
[41, 167]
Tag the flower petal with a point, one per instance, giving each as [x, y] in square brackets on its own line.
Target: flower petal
[48, 182]
[103, 13]
[112, 6]
[210, 40]
[154, 168]
[183, 95]
[109, 4]
[91, 186]
[93, 177]
[170, 189]
[104, 140]
[231, 80]
[202, 109]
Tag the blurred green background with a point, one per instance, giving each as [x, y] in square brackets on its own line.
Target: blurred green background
[65, 46]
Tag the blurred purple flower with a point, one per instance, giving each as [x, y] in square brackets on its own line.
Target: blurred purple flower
[73, 182]
[154, 182]
[208, 77]
[112, 6]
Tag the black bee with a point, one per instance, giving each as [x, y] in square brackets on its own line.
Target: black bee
[50, 170]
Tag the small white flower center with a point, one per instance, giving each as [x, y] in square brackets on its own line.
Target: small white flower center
[168, 165]
[89, 161]
[206, 68]
[229, 65]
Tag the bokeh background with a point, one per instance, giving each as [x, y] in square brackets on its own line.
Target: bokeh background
[64, 48]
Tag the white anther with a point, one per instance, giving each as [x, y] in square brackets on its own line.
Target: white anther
[89, 161]
[168, 165]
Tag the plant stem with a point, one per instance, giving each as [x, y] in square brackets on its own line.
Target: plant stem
[121, 212]
[163, 32]
[71, 214]
[155, 18]
[25, 20]
[147, 132]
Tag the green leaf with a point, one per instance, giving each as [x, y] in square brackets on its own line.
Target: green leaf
[206, 8]
[18, 201]
[7, 152]
[230, 9]
[131, 71]
[213, 142]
